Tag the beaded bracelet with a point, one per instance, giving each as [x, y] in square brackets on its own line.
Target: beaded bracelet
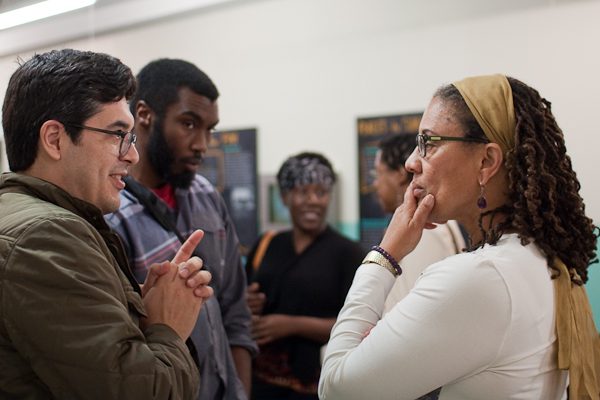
[388, 257]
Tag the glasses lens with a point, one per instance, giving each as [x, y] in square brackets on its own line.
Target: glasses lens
[421, 145]
[126, 142]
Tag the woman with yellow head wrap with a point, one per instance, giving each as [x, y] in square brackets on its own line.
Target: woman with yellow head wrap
[509, 318]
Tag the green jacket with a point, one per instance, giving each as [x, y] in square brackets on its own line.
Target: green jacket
[69, 307]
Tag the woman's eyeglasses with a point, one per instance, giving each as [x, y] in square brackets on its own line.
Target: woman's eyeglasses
[423, 138]
[127, 138]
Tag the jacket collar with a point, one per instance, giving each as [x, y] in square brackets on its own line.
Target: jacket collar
[46, 191]
[51, 193]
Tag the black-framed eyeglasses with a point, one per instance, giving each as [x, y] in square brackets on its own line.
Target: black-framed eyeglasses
[423, 138]
[128, 138]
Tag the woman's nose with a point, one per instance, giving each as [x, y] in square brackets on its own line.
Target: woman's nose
[413, 162]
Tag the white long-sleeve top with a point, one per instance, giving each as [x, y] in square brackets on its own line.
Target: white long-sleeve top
[434, 246]
[480, 325]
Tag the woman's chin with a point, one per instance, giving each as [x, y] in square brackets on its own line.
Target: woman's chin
[436, 218]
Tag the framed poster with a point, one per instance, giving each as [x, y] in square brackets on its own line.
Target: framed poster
[372, 219]
[230, 165]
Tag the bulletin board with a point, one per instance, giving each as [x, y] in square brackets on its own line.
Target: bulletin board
[372, 219]
[230, 165]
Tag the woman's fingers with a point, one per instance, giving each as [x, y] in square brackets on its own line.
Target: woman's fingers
[419, 218]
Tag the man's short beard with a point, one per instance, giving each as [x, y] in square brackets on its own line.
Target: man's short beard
[162, 159]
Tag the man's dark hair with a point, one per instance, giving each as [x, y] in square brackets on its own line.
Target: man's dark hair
[160, 80]
[64, 85]
[396, 149]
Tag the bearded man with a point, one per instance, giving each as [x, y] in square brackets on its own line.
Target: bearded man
[176, 111]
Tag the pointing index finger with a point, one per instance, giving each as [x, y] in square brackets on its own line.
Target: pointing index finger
[187, 249]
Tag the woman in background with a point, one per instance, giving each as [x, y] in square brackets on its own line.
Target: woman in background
[509, 319]
[300, 279]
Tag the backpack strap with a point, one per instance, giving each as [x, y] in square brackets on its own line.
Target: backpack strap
[263, 245]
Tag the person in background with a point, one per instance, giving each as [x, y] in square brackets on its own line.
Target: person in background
[165, 200]
[74, 323]
[300, 278]
[391, 181]
[508, 319]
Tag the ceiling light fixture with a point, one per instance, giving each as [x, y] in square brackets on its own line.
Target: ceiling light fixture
[39, 11]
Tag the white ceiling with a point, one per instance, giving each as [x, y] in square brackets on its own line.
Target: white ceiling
[7, 5]
[110, 15]
[104, 16]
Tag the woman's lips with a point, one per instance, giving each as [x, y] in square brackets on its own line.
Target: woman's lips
[313, 215]
[419, 192]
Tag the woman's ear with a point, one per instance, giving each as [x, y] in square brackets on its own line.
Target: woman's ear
[52, 139]
[491, 163]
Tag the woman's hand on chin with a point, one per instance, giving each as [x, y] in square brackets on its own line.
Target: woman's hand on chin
[406, 227]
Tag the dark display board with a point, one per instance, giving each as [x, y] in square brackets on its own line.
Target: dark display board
[230, 165]
[373, 220]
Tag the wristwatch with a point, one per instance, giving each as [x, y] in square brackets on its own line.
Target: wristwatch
[374, 257]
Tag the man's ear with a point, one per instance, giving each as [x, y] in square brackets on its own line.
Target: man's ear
[52, 139]
[143, 114]
[492, 161]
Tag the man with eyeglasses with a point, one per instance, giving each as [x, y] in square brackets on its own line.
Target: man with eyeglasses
[74, 323]
[165, 200]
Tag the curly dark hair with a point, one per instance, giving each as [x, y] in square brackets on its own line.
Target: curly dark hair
[544, 204]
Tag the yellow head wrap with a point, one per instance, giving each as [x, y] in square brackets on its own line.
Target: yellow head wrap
[490, 100]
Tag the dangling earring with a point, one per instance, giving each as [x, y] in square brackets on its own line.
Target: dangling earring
[481, 201]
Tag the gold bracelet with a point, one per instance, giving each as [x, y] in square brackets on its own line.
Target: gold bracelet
[374, 257]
